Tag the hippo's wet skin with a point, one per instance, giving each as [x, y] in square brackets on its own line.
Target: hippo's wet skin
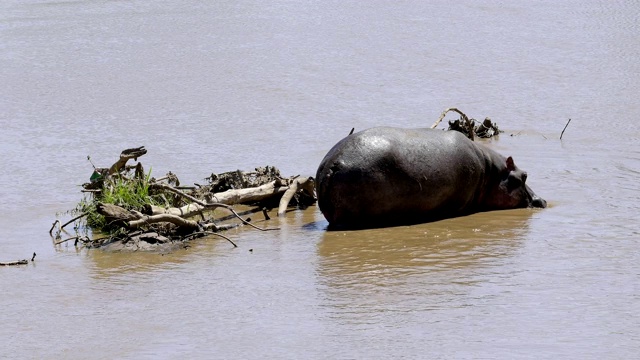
[387, 176]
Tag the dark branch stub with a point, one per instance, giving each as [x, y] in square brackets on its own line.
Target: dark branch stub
[565, 128]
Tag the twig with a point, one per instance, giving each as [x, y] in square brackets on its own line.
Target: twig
[241, 219]
[57, 222]
[84, 239]
[196, 234]
[565, 128]
[67, 239]
[176, 191]
[74, 219]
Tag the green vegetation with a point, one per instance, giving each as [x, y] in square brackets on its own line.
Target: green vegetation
[128, 193]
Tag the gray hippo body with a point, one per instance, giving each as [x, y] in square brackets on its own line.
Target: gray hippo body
[389, 176]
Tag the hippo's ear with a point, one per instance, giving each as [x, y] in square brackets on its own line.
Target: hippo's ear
[511, 166]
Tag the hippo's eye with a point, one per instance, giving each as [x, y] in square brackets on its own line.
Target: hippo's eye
[514, 181]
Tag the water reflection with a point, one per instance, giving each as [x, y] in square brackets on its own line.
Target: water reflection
[113, 263]
[428, 266]
[449, 243]
[140, 265]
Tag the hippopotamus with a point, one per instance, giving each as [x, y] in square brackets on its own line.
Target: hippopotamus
[391, 176]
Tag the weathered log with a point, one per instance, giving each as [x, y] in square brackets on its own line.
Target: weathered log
[173, 219]
[13, 263]
[19, 262]
[239, 196]
[305, 183]
[115, 214]
[229, 197]
[135, 220]
[185, 211]
[250, 195]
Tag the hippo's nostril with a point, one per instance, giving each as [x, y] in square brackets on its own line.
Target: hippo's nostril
[538, 202]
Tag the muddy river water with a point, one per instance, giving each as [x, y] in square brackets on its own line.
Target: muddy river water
[224, 85]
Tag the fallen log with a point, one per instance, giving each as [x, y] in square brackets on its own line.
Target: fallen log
[184, 211]
[284, 188]
[115, 215]
[134, 220]
[13, 263]
[185, 224]
[250, 195]
[19, 262]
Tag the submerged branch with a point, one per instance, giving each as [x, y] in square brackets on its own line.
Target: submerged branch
[204, 233]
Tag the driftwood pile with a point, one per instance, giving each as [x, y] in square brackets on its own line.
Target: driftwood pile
[174, 213]
[471, 128]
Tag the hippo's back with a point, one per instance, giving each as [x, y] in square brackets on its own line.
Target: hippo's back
[392, 174]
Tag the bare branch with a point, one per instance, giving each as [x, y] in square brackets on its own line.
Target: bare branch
[57, 222]
[464, 116]
[72, 220]
[202, 233]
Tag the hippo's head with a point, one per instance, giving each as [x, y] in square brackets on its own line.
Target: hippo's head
[511, 191]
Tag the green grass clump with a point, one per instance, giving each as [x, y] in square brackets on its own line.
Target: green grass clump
[131, 194]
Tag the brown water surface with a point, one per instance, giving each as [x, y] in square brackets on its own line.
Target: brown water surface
[216, 86]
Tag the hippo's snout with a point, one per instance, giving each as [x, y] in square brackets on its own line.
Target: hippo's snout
[533, 199]
[538, 202]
